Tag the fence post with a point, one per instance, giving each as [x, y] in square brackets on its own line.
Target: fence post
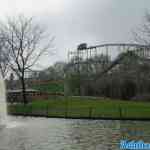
[124, 112]
[66, 112]
[24, 110]
[90, 112]
[120, 112]
[31, 110]
[47, 110]
[66, 107]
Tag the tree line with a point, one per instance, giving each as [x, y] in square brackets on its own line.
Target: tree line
[23, 41]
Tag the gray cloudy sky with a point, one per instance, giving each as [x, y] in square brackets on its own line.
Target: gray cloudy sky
[76, 21]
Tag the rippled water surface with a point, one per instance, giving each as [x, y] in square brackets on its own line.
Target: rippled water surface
[67, 134]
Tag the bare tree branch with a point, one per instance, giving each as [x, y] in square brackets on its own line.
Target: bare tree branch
[26, 42]
[142, 34]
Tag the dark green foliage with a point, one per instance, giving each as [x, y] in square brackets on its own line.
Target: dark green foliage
[127, 77]
[50, 87]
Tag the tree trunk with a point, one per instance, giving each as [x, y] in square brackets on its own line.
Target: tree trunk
[24, 91]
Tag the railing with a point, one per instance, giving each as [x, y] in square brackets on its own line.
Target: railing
[89, 112]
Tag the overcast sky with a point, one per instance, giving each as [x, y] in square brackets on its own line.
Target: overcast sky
[75, 21]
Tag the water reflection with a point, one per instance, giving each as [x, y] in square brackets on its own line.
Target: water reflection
[93, 135]
[134, 130]
[62, 134]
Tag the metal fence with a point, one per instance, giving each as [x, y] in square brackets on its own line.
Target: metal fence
[88, 112]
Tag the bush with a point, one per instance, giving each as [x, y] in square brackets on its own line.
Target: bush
[141, 97]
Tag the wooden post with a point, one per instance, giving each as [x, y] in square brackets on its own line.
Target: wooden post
[90, 112]
[47, 110]
[120, 112]
[66, 110]
[31, 110]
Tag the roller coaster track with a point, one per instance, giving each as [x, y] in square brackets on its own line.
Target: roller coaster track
[119, 44]
[142, 51]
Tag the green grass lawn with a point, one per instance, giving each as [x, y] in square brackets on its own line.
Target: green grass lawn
[83, 107]
[52, 87]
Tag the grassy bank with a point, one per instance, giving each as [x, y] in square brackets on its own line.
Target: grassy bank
[52, 87]
[76, 107]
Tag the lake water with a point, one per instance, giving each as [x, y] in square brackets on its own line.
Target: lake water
[68, 134]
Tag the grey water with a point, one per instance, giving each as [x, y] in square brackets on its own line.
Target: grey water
[29, 133]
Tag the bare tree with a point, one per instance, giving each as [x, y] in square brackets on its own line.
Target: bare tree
[26, 42]
[142, 34]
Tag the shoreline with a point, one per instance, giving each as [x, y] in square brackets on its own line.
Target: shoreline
[86, 118]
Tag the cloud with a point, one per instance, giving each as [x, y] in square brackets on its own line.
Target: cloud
[76, 21]
[29, 7]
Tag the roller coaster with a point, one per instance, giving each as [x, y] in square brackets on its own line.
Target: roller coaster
[111, 50]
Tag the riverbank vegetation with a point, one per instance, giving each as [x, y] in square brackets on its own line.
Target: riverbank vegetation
[82, 107]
